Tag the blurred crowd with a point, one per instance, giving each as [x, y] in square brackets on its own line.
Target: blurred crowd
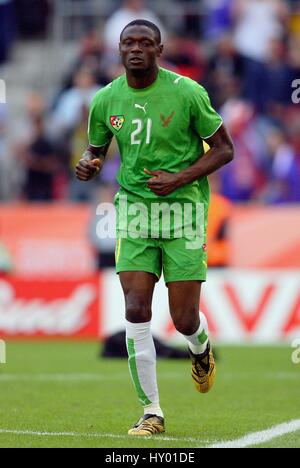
[245, 52]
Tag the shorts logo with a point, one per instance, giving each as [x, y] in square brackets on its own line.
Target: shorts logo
[117, 122]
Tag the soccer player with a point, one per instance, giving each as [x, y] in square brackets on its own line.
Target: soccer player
[161, 121]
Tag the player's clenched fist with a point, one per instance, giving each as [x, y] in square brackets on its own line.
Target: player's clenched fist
[87, 170]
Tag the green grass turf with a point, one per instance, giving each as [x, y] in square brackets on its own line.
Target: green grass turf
[65, 387]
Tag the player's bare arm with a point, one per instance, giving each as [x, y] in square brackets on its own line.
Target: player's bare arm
[91, 163]
[221, 152]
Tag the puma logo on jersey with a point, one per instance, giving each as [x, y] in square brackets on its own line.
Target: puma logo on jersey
[137, 106]
[166, 122]
[178, 79]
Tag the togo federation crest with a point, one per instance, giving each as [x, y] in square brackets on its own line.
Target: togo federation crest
[117, 122]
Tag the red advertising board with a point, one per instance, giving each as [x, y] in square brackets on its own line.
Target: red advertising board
[241, 306]
[49, 308]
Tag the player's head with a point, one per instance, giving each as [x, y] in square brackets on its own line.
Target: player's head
[140, 46]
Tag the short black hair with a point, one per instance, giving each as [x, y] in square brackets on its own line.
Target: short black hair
[148, 24]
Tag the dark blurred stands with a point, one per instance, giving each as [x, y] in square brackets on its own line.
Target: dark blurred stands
[245, 52]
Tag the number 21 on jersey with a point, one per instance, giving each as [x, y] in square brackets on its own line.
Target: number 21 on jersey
[139, 128]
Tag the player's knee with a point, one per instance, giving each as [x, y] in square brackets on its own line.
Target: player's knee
[138, 313]
[187, 323]
[185, 329]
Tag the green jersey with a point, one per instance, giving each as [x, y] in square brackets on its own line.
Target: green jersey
[159, 127]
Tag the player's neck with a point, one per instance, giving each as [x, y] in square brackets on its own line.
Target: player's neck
[142, 79]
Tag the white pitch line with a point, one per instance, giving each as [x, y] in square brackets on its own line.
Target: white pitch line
[256, 438]
[57, 377]
[85, 377]
[74, 377]
[98, 436]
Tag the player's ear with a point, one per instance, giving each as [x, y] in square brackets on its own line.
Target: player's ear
[160, 50]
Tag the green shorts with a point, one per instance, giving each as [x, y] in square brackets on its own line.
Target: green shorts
[179, 259]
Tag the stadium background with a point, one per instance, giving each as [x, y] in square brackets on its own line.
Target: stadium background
[57, 280]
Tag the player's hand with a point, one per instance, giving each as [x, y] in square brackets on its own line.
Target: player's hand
[87, 170]
[163, 183]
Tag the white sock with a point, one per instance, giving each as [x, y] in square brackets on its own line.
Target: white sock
[199, 340]
[142, 365]
[154, 408]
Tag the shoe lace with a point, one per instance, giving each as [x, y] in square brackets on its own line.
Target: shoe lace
[203, 366]
[150, 424]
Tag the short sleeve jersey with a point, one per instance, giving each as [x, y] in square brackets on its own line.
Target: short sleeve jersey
[161, 127]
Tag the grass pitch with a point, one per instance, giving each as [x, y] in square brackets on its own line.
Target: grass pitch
[63, 395]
